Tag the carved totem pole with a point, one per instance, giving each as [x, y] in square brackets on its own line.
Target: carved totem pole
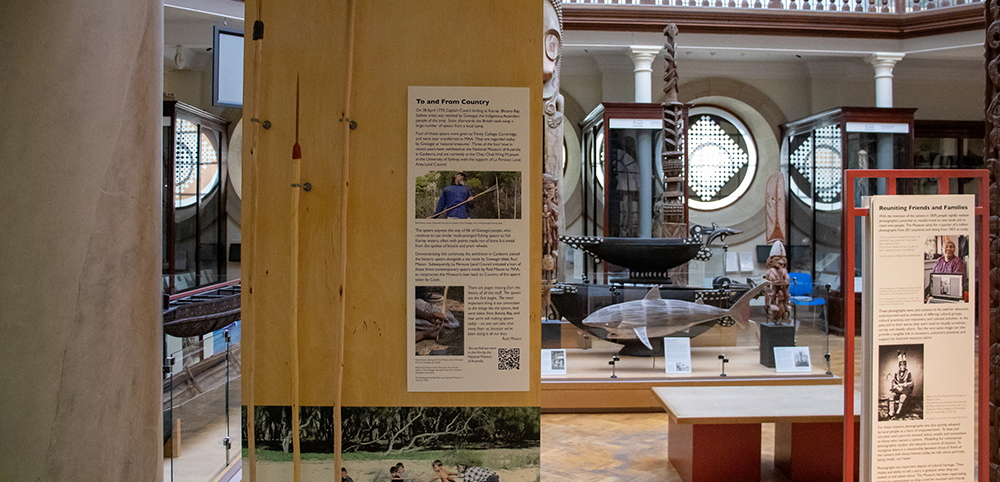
[552, 106]
[992, 153]
[672, 209]
[672, 206]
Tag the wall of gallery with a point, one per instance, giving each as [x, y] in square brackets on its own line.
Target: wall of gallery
[765, 86]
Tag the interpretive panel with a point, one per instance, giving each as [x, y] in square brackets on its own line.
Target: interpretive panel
[677, 354]
[920, 360]
[468, 158]
[553, 362]
[792, 359]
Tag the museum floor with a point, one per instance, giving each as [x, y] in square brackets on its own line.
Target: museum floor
[609, 447]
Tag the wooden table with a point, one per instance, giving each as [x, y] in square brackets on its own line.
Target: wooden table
[714, 431]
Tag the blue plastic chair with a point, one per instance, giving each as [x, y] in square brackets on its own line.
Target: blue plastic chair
[800, 290]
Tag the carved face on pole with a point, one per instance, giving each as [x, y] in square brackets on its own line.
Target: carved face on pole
[552, 43]
[549, 186]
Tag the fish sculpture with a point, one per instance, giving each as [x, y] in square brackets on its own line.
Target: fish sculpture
[656, 317]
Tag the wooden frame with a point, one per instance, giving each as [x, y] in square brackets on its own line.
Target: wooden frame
[851, 212]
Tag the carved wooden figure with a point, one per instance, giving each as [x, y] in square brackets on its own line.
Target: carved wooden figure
[552, 168]
[777, 297]
[774, 208]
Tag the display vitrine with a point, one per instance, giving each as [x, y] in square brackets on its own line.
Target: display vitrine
[194, 197]
[814, 152]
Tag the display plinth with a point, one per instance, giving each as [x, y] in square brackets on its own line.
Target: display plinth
[800, 457]
[711, 428]
[772, 335]
[697, 454]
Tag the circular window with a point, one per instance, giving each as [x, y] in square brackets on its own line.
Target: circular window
[599, 172]
[722, 158]
[196, 163]
[818, 168]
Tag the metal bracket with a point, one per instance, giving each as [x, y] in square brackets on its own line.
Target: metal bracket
[305, 186]
[168, 367]
[266, 124]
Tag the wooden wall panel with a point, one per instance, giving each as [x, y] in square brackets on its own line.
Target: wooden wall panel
[449, 43]
[396, 44]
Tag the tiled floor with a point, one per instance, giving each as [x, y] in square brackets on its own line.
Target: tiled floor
[611, 447]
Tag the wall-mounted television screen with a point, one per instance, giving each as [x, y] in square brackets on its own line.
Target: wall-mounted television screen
[227, 82]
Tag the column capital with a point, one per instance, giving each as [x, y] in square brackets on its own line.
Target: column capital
[643, 56]
[884, 62]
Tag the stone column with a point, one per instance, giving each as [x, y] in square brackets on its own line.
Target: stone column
[884, 63]
[642, 57]
[80, 324]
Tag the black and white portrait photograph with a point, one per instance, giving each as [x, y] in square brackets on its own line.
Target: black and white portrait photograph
[900, 382]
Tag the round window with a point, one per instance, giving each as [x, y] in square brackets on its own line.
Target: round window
[196, 163]
[722, 158]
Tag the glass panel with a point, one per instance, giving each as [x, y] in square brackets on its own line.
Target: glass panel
[972, 153]
[704, 350]
[184, 248]
[880, 150]
[723, 159]
[201, 401]
[185, 163]
[935, 153]
[799, 153]
[827, 200]
[166, 202]
[623, 165]
[233, 380]
[210, 225]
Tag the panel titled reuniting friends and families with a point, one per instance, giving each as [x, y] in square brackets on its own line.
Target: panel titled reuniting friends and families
[468, 158]
[921, 344]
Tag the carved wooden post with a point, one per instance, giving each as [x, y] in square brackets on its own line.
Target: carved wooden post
[992, 153]
[552, 105]
[673, 204]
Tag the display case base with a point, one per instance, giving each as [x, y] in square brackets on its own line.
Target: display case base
[588, 386]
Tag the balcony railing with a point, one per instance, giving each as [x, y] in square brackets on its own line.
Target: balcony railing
[867, 19]
[855, 6]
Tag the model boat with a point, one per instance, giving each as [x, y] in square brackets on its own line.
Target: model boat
[202, 313]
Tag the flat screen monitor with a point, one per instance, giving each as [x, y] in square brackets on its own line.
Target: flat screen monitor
[227, 82]
[946, 286]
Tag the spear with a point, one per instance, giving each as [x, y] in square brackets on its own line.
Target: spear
[461, 203]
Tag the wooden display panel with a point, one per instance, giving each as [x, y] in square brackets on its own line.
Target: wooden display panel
[326, 267]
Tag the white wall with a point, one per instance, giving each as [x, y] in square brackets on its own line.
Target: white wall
[770, 90]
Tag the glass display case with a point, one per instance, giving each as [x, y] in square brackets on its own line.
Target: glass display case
[814, 152]
[948, 145]
[621, 336]
[195, 177]
[623, 175]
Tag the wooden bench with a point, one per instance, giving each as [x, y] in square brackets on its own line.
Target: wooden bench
[714, 431]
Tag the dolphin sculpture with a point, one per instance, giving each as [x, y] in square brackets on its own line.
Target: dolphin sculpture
[656, 317]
